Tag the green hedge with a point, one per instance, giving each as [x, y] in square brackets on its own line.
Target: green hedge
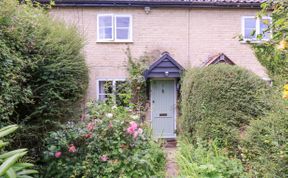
[42, 70]
[217, 101]
[265, 145]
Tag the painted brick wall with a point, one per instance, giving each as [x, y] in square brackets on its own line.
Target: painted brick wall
[189, 35]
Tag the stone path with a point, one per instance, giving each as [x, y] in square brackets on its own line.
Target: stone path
[171, 165]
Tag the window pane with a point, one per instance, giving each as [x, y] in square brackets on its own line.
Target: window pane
[102, 97]
[122, 22]
[105, 21]
[105, 89]
[250, 34]
[121, 93]
[108, 33]
[122, 34]
[264, 24]
[250, 23]
[250, 28]
[105, 27]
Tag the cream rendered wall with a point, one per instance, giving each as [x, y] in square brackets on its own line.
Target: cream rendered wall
[189, 35]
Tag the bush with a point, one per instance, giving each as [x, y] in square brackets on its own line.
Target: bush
[110, 143]
[202, 160]
[265, 145]
[220, 100]
[42, 71]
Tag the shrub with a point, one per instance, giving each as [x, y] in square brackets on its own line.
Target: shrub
[219, 100]
[265, 145]
[110, 143]
[202, 160]
[11, 166]
[42, 71]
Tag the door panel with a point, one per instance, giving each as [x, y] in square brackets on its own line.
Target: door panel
[163, 108]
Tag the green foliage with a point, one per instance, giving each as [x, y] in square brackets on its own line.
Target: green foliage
[104, 147]
[209, 161]
[279, 15]
[276, 61]
[10, 165]
[217, 101]
[42, 71]
[265, 145]
[273, 54]
[137, 82]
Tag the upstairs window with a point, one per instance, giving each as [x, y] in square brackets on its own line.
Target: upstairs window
[114, 28]
[256, 29]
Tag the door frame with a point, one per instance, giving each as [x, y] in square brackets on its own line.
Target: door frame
[175, 104]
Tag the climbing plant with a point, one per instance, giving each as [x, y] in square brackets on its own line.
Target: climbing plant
[137, 82]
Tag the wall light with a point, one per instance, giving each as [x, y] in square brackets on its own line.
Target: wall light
[166, 74]
[147, 9]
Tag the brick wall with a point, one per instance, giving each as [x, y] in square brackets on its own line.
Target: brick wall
[189, 35]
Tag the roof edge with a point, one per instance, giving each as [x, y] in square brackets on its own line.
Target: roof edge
[184, 4]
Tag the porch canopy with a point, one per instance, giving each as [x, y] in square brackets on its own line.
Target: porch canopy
[164, 67]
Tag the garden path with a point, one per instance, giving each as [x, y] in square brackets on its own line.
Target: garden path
[171, 165]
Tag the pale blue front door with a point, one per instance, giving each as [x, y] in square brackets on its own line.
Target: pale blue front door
[163, 110]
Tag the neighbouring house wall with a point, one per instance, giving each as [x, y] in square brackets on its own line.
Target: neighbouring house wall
[189, 35]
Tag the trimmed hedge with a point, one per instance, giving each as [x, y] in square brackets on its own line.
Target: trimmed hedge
[219, 100]
[42, 71]
[265, 145]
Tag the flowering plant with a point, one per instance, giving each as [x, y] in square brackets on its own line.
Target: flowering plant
[109, 143]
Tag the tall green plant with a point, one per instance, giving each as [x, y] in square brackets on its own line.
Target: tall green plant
[10, 165]
[42, 71]
[206, 160]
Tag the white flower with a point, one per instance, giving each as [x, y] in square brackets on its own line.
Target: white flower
[114, 107]
[109, 115]
[134, 117]
[140, 131]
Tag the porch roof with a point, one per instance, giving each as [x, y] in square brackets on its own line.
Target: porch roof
[164, 67]
[219, 58]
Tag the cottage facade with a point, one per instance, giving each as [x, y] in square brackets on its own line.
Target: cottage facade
[191, 33]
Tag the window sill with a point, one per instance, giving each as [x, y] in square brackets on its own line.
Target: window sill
[254, 41]
[118, 41]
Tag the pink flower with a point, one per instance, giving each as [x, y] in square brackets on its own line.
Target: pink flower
[130, 130]
[104, 158]
[72, 148]
[90, 126]
[133, 125]
[135, 134]
[58, 154]
[89, 135]
[110, 125]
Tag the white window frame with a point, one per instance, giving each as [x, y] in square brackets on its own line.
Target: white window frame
[257, 30]
[114, 34]
[107, 80]
[98, 27]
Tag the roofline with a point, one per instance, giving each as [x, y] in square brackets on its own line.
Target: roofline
[183, 4]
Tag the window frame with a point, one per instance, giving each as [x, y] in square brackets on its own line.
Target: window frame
[107, 80]
[98, 27]
[114, 35]
[257, 30]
